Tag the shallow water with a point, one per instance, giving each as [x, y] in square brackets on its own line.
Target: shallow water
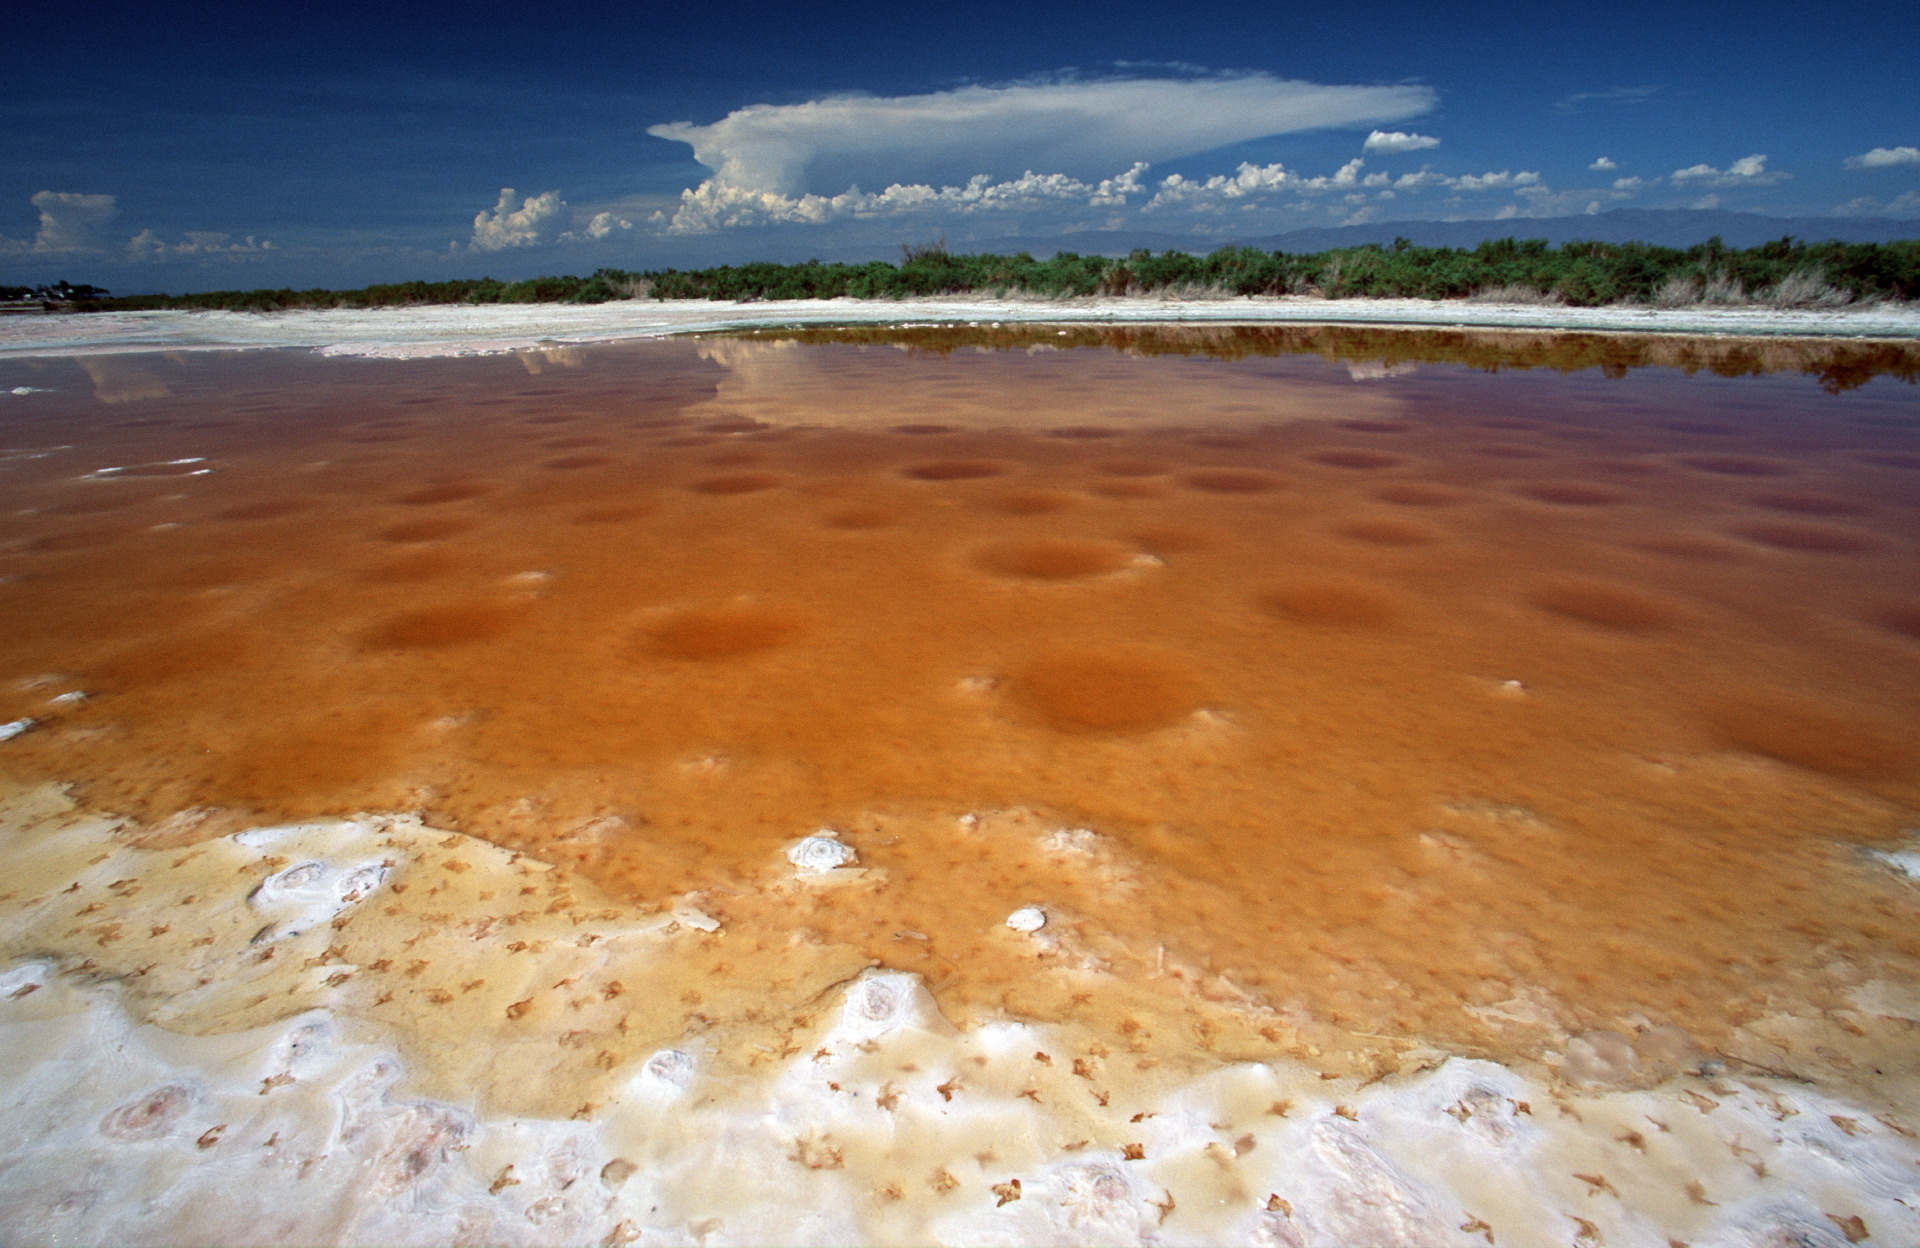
[1387, 682]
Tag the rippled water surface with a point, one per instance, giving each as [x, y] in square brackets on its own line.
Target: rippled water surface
[1400, 672]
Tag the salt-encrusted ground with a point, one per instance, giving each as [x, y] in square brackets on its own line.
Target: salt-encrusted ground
[373, 1032]
[450, 330]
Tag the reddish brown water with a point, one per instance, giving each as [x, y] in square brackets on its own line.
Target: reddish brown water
[1395, 692]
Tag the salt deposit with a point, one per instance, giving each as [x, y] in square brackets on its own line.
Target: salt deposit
[1027, 919]
[821, 852]
[439, 330]
[326, 1085]
[1905, 861]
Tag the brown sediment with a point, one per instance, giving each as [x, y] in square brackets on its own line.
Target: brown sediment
[1610, 606]
[1346, 603]
[1231, 481]
[1383, 737]
[1096, 690]
[1573, 493]
[725, 632]
[1053, 559]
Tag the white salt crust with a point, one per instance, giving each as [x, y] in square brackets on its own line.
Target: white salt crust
[414, 333]
[134, 1119]
[1027, 919]
[821, 852]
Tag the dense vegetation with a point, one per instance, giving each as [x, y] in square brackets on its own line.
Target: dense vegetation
[602, 287]
[1577, 273]
[1786, 273]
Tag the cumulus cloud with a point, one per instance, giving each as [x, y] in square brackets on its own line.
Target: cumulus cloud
[1255, 182]
[146, 245]
[539, 220]
[1389, 141]
[70, 221]
[1078, 129]
[600, 225]
[1503, 180]
[1884, 157]
[1067, 201]
[713, 205]
[1248, 182]
[1603, 164]
[1747, 171]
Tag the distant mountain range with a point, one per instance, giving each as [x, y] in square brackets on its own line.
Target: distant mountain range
[1666, 227]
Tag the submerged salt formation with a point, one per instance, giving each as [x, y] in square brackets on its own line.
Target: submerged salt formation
[430, 1040]
[821, 853]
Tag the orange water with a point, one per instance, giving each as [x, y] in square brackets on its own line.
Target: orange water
[1393, 692]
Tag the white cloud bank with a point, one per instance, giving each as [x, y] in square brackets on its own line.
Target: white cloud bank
[75, 224]
[711, 206]
[1043, 157]
[540, 219]
[146, 245]
[715, 206]
[1078, 129]
[1884, 158]
[69, 221]
[975, 149]
[1251, 181]
[1747, 171]
[1387, 142]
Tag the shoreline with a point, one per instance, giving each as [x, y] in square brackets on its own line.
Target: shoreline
[461, 330]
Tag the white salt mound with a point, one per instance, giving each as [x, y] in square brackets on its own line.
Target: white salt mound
[1027, 919]
[823, 851]
[1905, 861]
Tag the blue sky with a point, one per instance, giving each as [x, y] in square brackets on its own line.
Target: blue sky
[203, 146]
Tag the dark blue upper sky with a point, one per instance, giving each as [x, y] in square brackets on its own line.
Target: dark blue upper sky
[194, 146]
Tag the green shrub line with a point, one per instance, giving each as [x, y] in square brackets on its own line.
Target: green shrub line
[1783, 273]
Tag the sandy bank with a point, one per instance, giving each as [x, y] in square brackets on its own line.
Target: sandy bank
[456, 330]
